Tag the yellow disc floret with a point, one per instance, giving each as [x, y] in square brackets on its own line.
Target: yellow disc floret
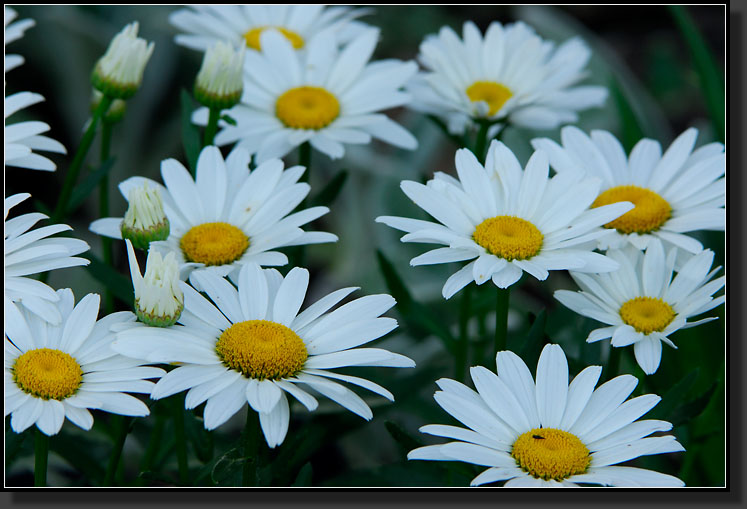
[307, 108]
[214, 243]
[492, 93]
[647, 314]
[547, 453]
[262, 350]
[47, 373]
[509, 237]
[650, 212]
[252, 37]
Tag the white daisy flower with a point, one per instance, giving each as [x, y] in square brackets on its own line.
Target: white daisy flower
[33, 252]
[675, 193]
[227, 216]
[58, 371]
[158, 299]
[326, 96]
[549, 433]
[13, 32]
[641, 303]
[244, 24]
[119, 72]
[255, 346]
[22, 138]
[511, 74]
[511, 221]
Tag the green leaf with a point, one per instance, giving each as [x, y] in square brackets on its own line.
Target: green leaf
[406, 441]
[77, 452]
[228, 468]
[296, 450]
[14, 443]
[119, 285]
[200, 438]
[150, 475]
[674, 397]
[710, 74]
[83, 190]
[304, 476]
[694, 408]
[532, 345]
[327, 195]
[629, 123]
[417, 316]
[190, 132]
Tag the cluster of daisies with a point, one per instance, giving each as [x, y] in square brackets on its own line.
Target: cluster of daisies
[213, 318]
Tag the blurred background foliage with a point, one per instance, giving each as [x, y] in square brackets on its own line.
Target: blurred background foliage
[644, 54]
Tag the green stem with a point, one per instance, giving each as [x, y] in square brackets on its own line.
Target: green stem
[41, 457]
[180, 438]
[155, 441]
[251, 448]
[212, 127]
[501, 320]
[111, 469]
[482, 140]
[464, 315]
[106, 242]
[60, 209]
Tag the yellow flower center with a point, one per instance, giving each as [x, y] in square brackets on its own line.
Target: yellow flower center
[261, 349]
[307, 108]
[253, 35]
[492, 93]
[548, 453]
[214, 243]
[47, 373]
[650, 212]
[509, 237]
[647, 314]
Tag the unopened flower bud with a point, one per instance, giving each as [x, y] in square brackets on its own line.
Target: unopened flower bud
[119, 72]
[159, 301]
[219, 83]
[145, 220]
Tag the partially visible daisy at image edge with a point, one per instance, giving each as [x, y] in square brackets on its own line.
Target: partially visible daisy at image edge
[506, 220]
[54, 372]
[252, 345]
[327, 96]
[545, 432]
[675, 193]
[227, 216]
[23, 138]
[509, 75]
[641, 304]
[13, 32]
[242, 25]
[30, 251]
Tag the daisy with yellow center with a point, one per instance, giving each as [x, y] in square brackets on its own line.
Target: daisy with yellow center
[547, 432]
[641, 303]
[227, 216]
[507, 219]
[53, 372]
[252, 345]
[244, 24]
[675, 193]
[508, 75]
[326, 96]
